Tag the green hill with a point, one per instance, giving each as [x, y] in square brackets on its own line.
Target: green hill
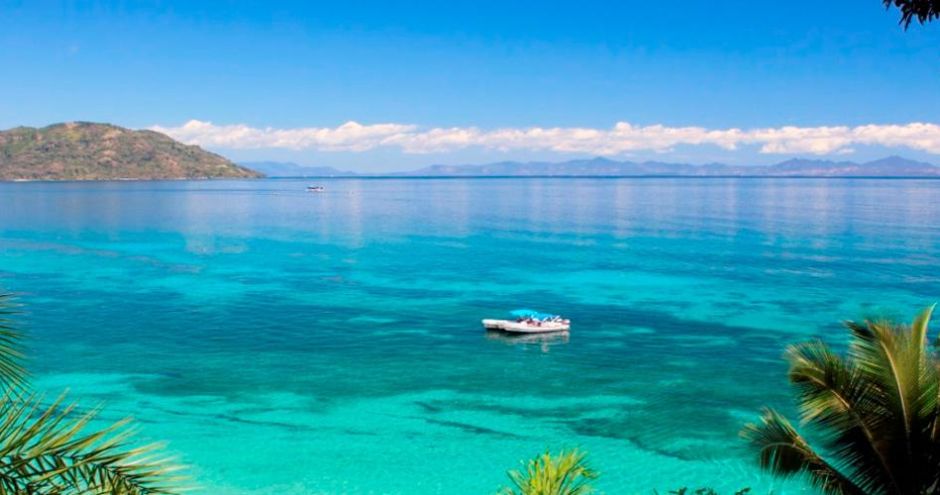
[89, 151]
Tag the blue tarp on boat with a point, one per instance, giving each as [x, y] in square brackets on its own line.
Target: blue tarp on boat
[529, 313]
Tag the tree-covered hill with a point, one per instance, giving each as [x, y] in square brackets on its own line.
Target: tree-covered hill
[91, 151]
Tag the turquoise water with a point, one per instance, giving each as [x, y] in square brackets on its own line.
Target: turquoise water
[293, 343]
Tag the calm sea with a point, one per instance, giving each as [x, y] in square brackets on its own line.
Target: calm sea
[286, 342]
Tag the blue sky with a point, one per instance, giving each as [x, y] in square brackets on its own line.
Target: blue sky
[456, 82]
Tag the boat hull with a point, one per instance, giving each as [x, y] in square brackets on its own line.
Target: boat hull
[514, 327]
[525, 328]
[494, 324]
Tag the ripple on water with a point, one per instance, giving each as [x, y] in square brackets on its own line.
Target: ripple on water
[289, 344]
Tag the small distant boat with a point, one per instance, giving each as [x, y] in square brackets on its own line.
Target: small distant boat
[528, 321]
[315, 189]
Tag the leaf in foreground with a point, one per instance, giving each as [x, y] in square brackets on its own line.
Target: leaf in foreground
[52, 450]
[564, 474]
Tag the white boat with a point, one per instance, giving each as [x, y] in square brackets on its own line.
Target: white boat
[529, 322]
[536, 326]
[315, 189]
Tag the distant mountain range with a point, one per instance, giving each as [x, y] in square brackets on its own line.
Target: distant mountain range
[892, 166]
[90, 151]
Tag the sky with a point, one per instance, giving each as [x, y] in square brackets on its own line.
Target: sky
[386, 85]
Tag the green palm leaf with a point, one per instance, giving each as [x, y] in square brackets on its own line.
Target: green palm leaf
[52, 449]
[783, 452]
[903, 378]
[12, 373]
[874, 413]
[564, 474]
[834, 395]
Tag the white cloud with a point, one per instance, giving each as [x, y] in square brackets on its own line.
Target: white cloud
[621, 138]
[350, 136]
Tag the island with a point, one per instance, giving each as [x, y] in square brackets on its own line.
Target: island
[94, 151]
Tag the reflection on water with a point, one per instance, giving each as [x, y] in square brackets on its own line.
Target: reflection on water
[458, 207]
[543, 340]
[336, 335]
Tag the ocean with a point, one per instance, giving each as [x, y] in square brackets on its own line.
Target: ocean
[285, 342]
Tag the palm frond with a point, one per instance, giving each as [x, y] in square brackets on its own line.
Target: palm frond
[783, 452]
[12, 372]
[50, 449]
[834, 397]
[874, 413]
[903, 381]
[930, 379]
[564, 474]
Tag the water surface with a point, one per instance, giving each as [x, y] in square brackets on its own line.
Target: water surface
[285, 342]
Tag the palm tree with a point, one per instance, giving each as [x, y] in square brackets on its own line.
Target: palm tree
[50, 450]
[564, 474]
[922, 10]
[874, 414]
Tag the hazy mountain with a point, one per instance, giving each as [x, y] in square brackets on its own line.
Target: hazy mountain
[88, 151]
[893, 166]
[289, 169]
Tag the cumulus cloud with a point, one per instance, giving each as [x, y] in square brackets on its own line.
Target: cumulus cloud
[350, 136]
[622, 138]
